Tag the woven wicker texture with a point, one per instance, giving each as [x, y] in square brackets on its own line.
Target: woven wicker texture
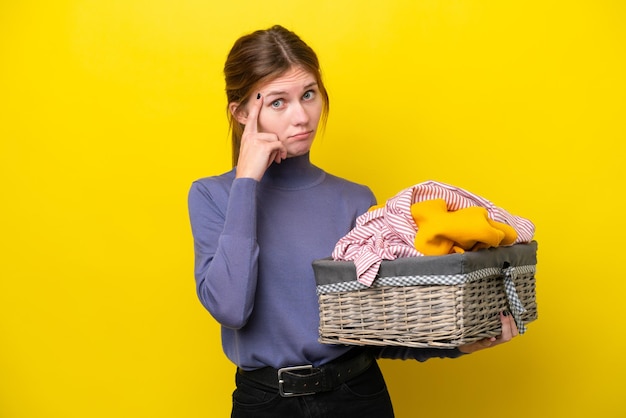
[422, 315]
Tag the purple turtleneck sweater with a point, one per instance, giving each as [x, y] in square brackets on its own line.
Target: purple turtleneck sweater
[254, 245]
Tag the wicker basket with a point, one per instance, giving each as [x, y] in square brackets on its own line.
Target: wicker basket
[430, 301]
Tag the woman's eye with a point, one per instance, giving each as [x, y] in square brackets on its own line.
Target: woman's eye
[277, 103]
[308, 95]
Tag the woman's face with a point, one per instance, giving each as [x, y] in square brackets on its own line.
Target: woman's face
[292, 106]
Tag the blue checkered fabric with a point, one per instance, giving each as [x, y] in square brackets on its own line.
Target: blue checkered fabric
[444, 280]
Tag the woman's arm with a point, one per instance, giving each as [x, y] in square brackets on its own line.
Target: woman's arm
[226, 249]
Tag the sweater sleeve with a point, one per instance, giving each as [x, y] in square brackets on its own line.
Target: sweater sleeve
[226, 249]
[419, 354]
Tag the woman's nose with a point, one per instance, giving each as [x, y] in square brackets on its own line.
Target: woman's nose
[300, 115]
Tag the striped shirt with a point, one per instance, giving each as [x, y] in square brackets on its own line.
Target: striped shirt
[388, 232]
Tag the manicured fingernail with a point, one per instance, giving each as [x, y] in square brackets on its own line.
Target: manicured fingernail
[258, 96]
[505, 313]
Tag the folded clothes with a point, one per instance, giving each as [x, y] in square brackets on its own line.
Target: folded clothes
[390, 231]
[440, 231]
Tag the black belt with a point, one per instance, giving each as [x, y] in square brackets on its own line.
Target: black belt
[308, 380]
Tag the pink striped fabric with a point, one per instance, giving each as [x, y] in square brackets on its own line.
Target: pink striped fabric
[389, 232]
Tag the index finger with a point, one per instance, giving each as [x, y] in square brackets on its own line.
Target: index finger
[253, 116]
[509, 329]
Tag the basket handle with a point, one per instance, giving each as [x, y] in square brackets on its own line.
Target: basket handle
[517, 308]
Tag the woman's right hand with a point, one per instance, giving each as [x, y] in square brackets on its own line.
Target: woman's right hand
[508, 332]
[258, 150]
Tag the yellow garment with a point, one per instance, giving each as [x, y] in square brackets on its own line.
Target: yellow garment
[443, 232]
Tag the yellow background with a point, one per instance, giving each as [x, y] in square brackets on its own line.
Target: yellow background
[109, 109]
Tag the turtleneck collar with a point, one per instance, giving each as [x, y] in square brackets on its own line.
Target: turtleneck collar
[293, 173]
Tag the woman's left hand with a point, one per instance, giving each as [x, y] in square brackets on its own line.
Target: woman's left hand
[509, 330]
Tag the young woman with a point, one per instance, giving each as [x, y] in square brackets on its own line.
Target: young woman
[257, 229]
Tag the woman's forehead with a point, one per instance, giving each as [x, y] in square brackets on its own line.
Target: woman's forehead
[294, 78]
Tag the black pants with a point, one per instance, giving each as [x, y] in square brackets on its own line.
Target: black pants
[364, 396]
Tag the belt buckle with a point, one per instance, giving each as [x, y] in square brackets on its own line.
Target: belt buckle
[281, 382]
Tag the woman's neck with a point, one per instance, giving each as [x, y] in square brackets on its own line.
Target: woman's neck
[292, 173]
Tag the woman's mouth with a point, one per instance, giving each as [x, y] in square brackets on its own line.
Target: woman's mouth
[301, 135]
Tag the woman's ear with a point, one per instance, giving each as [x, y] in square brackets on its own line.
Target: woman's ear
[240, 116]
